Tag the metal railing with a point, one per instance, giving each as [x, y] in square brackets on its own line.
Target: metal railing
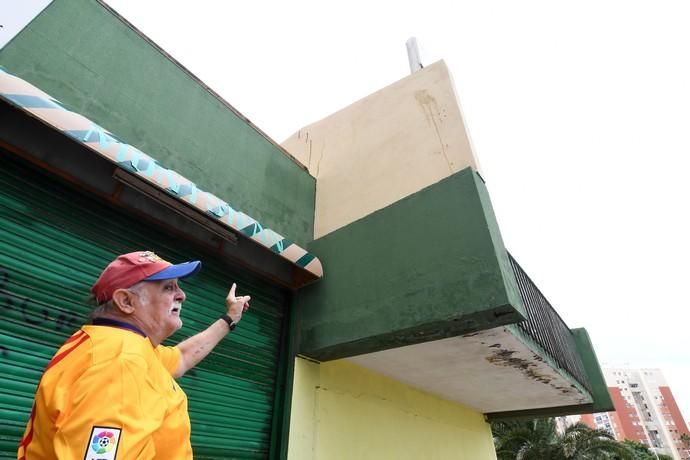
[547, 328]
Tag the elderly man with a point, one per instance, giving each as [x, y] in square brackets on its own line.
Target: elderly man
[110, 390]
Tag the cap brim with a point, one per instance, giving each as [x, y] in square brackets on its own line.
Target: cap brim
[176, 271]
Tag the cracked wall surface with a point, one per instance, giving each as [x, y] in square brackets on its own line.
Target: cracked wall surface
[384, 147]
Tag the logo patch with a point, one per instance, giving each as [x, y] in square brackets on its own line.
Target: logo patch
[152, 257]
[103, 443]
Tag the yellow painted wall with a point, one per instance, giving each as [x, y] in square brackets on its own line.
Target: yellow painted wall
[343, 411]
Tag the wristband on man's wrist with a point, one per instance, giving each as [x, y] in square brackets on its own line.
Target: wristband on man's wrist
[231, 324]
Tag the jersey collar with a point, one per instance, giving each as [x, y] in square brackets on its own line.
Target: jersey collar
[115, 323]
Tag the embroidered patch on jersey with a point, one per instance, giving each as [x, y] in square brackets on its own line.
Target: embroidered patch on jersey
[103, 443]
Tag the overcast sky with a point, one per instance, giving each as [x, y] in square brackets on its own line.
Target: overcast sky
[579, 113]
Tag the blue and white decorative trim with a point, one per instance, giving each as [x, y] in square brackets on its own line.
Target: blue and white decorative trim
[27, 97]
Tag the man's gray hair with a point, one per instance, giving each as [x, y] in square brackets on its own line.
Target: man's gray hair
[107, 307]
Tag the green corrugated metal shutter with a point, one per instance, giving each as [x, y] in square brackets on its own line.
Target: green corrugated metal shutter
[53, 243]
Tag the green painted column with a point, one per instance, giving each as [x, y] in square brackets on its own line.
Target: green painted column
[600, 392]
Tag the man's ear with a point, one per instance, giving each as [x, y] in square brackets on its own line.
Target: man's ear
[124, 301]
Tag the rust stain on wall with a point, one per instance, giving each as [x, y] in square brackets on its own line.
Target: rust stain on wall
[432, 113]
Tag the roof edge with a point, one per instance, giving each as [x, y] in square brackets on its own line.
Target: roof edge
[208, 89]
[42, 106]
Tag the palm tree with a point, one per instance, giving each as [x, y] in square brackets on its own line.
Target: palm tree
[583, 443]
[524, 439]
[539, 440]
[642, 451]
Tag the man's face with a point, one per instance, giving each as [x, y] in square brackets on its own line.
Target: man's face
[160, 305]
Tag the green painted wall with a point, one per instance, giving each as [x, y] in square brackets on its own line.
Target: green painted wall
[600, 393]
[423, 268]
[509, 281]
[81, 54]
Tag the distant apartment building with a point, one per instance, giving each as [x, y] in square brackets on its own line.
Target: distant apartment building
[646, 412]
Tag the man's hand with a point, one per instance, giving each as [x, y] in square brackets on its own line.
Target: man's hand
[195, 348]
[236, 304]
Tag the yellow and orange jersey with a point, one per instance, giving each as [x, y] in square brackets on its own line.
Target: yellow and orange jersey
[109, 393]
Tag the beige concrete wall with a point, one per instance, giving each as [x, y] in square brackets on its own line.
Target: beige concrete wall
[384, 147]
[344, 411]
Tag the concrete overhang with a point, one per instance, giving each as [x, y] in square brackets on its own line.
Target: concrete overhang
[42, 130]
[425, 292]
[492, 371]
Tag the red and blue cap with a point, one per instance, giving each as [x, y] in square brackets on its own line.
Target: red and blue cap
[129, 269]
